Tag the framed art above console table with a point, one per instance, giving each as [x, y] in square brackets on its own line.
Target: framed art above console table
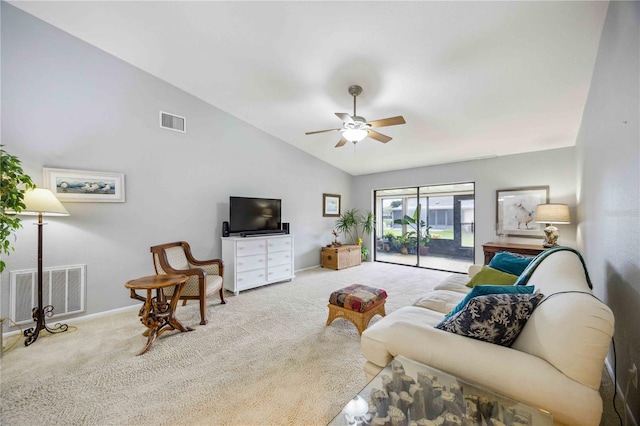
[516, 208]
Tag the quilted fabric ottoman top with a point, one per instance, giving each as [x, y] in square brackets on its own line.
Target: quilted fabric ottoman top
[357, 297]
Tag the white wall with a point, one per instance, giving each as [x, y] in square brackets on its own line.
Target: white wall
[609, 183]
[554, 168]
[67, 104]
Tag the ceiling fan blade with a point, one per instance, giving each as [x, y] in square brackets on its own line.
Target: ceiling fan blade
[341, 142]
[346, 118]
[321, 131]
[378, 136]
[391, 121]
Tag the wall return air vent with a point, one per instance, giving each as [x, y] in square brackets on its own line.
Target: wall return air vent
[63, 287]
[173, 122]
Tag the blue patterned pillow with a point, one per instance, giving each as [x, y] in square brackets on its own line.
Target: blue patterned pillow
[493, 318]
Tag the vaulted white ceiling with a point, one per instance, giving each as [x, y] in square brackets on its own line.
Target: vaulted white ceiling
[472, 79]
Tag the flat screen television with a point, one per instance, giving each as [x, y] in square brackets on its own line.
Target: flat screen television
[254, 215]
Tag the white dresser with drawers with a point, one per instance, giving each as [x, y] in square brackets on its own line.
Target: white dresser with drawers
[251, 262]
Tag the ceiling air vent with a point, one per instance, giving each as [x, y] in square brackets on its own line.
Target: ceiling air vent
[173, 122]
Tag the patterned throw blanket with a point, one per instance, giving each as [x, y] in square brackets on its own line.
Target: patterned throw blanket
[526, 274]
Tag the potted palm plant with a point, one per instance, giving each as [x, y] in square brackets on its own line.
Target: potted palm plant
[12, 188]
[403, 241]
[388, 241]
[420, 230]
[355, 226]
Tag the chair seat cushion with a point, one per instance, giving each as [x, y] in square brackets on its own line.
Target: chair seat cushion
[357, 297]
[214, 283]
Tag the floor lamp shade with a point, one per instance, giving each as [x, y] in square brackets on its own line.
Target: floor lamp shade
[42, 201]
[552, 214]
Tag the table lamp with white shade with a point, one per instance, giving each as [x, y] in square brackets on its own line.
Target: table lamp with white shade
[552, 214]
[41, 202]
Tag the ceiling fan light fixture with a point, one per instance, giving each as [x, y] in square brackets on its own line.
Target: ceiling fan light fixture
[355, 128]
[354, 135]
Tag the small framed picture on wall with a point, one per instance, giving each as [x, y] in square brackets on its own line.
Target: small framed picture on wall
[330, 205]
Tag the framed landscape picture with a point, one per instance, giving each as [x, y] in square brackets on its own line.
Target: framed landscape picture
[330, 205]
[84, 186]
[516, 209]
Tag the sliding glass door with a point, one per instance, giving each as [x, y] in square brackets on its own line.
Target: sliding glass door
[428, 226]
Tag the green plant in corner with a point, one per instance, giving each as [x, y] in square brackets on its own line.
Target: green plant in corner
[365, 252]
[354, 225]
[12, 188]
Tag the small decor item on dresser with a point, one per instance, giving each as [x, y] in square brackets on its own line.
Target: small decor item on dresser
[357, 303]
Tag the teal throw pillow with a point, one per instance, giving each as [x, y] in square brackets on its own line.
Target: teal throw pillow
[482, 290]
[488, 275]
[510, 263]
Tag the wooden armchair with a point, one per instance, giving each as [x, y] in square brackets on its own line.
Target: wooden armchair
[205, 277]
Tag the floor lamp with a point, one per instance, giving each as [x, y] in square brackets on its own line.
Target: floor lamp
[41, 202]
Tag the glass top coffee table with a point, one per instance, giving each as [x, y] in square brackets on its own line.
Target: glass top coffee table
[408, 393]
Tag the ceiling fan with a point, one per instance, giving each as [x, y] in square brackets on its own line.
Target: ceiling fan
[355, 128]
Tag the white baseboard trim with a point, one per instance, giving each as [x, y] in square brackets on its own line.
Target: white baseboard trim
[630, 419]
[307, 268]
[80, 318]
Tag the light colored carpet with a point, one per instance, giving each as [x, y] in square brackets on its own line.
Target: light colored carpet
[265, 358]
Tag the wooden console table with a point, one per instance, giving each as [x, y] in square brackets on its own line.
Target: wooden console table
[490, 249]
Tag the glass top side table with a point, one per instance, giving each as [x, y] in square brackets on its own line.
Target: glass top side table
[408, 393]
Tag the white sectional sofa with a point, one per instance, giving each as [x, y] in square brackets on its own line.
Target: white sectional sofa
[554, 364]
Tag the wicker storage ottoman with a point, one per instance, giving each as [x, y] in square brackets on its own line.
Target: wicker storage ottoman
[358, 304]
